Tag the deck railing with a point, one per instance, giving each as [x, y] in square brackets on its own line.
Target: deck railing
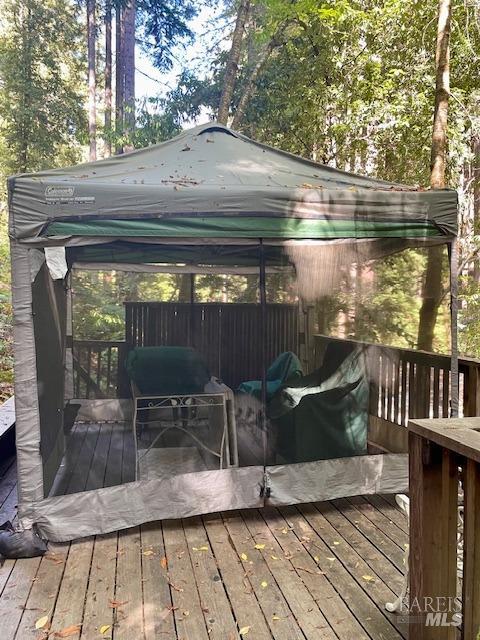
[405, 383]
[444, 528]
[98, 370]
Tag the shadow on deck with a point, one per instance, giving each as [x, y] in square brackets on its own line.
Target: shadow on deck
[307, 572]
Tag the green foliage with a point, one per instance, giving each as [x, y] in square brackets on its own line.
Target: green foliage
[98, 297]
[41, 97]
[352, 86]
[387, 307]
[163, 25]
[42, 118]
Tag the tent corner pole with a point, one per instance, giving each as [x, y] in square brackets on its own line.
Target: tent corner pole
[453, 262]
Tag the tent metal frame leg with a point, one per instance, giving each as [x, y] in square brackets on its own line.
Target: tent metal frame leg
[453, 262]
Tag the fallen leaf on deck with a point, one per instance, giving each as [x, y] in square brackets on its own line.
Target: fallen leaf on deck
[53, 559]
[259, 546]
[148, 553]
[41, 622]
[204, 548]
[164, 563]
[186, 613]
[72, 630]
[116, 603]
[264, 584]
[244, 556]
[316, 558]
[274, 557]
[104, 628]
[331, 559]
[275, 618]
[336, 542]
[244, 630]
[369, 578]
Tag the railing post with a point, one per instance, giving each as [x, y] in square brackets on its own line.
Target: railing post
[471, 390]
[433, 535]
[471, 545]
[123, 389]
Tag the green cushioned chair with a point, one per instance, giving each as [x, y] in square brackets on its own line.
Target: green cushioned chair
[167, 370]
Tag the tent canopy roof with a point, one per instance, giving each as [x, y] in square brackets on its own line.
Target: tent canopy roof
[210, 181]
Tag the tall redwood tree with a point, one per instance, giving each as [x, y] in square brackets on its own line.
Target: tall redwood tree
[432, 287]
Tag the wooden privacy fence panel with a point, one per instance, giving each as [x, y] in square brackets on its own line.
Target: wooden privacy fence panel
[406, 384]
[229, 335]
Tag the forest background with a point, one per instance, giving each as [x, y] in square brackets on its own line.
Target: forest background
[348, 83]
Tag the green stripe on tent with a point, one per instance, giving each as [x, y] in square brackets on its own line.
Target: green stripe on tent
[243, 227]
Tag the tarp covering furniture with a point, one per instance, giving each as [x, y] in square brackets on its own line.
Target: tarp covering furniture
[209, 201]
[285, 367]
[324, 413]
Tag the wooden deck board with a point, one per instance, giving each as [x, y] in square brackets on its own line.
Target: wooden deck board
[382, 522]
[189, 580]
[44, 592]
[275, 608]
[101, 587]
[128, 602]
[157, 599]
[362, 559]
[309, 617]
[364, 609]
[391, 511]
[188, 611]
[314, 577]
[390, 549]
[15, 595]
[70, 604]
[237, 585]
[213, 597]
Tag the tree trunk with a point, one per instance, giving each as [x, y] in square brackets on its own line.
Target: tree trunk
[249, 88]
[129, 70]
[119, 77]
[108, 77]
[185, 288]
[476, 200]
[25, 125]
[432, 287]
[442, 93]
[232, 63]
[92, 81]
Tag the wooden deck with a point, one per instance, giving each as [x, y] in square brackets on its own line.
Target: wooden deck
[318, 571]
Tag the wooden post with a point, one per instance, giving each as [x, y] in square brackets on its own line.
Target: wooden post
[471, 392]
[471, 575]
[433, 535]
